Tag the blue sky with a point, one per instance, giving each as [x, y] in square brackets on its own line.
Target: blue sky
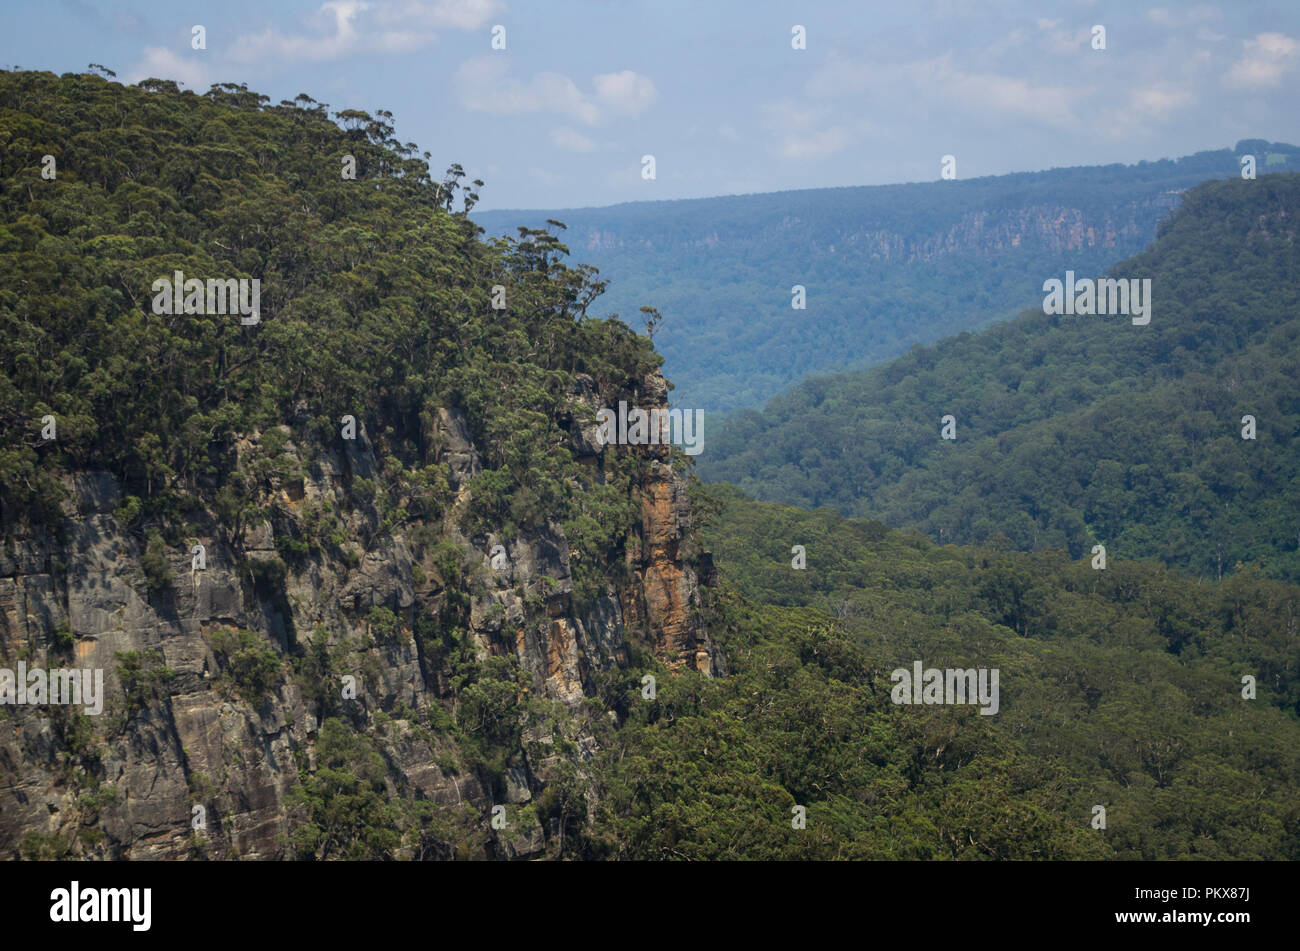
[584, 88]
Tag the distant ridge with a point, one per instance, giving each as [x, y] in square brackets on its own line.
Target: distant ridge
[1075, 431]
[885, 267]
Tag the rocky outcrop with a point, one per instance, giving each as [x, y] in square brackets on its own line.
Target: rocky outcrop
[665, 596]
[663, 600]
[196, 762]
[978, 233]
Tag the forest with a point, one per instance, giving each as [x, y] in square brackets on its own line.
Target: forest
[1076, 431]
[375, 299]
[1166, 694]
[884, 267]
[1120, 687]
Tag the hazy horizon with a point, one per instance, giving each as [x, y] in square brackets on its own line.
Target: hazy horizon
[813, 188]
[562, 116]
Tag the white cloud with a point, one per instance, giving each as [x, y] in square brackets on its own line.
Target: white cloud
[1055, 39]
[336, 29]
[783, 115]
[841, 77]
[1267, 57]
[1163, 16]
[1045, 36]
[485, 84]
[548, 178]
[336, 35]
[342, 28]
[627, 92]
[1147, 108]
[1053, 105]
[940, 82]
[1159, 101]
[936, 88]
[796, 126]
[162, 63]
[446, 14]
[571, 140]
[815, 144]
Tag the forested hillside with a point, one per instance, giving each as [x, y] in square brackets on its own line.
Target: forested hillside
[1120, 688]
[375, 300]
[364, 584]
[1075, 431]
[884, 267]
[358, 557]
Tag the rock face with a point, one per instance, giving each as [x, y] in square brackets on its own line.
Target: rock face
[983, 231]
[195, 762]
[665, 596]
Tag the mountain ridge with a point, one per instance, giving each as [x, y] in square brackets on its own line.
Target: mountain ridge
[884, 267]
[1044, 398]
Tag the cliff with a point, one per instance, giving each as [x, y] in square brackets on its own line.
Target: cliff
[360, 580]
[206, 738]
[883, 267]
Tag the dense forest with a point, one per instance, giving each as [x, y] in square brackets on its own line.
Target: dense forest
[884, 267]
[349, 462]
[1120, 687]
[1075, 431]
[375, 304]
[585, 691]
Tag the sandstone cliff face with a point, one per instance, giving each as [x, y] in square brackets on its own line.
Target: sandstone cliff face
[129, 787]
[664, 594]
[663, 597]
[985, 232]
[1046, 227]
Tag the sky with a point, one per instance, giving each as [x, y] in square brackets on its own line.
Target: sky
[714, 90]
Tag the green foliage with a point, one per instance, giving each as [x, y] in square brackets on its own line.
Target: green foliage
[63, 640]
[128, 513]
[384, 625]
[1074, 431]
[375, 303]
[268, 574]
[97, 799]
[314, 672]
[39, 847]
[489, 712]
[77, 735]
[154, 561]
[1119, 687]
[348, 813]
[886, 267]
[445, 832]
[254, 668]
[144, 677]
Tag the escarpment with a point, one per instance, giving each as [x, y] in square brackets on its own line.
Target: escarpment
[360, 579]
[322, 602]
